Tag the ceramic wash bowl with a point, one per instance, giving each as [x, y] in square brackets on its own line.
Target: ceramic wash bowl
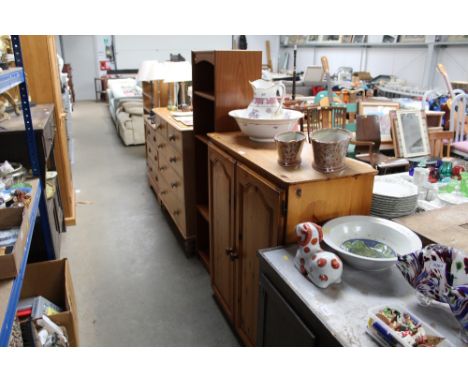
[265, 129]
[369, 243]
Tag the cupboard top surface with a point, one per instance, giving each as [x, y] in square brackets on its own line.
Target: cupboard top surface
[343, 308]
[265, 157]
[165, 114]
[40, 115]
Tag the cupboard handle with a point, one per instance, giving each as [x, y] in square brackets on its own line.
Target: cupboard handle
[149, 149]
[156, 157]
[172, 159]
[163, 192]
[231, 253]
[172, 137]
[176, 212]
[163, 168]
[174, 185]
[154, 139]
[160, 146]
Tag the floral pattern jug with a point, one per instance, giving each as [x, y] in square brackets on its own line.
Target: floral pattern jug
[265, 104]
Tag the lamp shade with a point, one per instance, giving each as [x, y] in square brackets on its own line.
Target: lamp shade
[151, 70]
[178, 71]
[143, 71]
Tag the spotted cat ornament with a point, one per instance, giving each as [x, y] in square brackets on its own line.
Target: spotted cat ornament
[321, 267]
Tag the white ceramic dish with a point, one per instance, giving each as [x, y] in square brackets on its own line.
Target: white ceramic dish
[452, 198]
[394, 188]
[401, 239]
[264, 130]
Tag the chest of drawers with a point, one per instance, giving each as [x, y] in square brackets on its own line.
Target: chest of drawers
[170, 169]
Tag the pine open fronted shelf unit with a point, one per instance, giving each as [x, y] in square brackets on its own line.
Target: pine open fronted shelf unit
[220, 81]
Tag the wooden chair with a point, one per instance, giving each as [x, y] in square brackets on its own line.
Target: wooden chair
[367, 144]
[325, 117]
[440, 140]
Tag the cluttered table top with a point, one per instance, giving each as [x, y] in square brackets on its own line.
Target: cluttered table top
[264, 156]
[344, 308]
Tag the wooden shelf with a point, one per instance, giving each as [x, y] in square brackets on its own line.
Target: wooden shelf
[202, 138]
[203, 210]
[205, 258]
[206, 95]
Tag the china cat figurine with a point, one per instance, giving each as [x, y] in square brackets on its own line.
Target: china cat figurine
[321, 267]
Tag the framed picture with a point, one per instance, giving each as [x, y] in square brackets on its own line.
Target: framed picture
[311, 39]
[412, 137]
[360, 39]
[455, 38]
[390, 39]
[346, 39]
[382, 109]
[330, 38]
[415, 39]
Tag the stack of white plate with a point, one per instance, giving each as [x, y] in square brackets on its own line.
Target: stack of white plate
[393, 198]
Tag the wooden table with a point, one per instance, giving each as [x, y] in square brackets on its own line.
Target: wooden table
[446, 225]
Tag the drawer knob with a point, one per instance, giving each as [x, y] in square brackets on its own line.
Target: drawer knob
[154, 139]
[174, 184]
[163, 192]
[172, 159]
[155, 157]
[176, 212]
[172, 137]
[163, 168]
[161, 145]
[149, 149]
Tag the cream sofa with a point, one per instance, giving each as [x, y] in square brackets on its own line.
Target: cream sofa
[126, 109]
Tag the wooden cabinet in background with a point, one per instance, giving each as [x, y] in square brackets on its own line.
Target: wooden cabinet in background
[170, 170]
[255, 203]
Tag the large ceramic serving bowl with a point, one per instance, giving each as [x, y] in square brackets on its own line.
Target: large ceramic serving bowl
[264, 130]
[399, 238]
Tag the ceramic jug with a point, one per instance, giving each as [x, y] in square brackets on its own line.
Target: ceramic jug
[265, 102]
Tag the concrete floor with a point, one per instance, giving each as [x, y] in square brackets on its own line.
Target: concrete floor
[133, 284]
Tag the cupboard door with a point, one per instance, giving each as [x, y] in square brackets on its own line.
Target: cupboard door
[259, 224]
[221, 206]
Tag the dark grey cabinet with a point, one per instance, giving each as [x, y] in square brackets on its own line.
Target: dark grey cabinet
[283, 319]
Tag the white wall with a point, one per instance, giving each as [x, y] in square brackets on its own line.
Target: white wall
[257, 42]
[130, 51]
[455, 60]
[80, 52]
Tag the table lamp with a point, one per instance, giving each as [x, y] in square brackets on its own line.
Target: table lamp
[178, 72]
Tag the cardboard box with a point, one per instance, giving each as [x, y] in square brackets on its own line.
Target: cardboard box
[11, 218]
[52, 280]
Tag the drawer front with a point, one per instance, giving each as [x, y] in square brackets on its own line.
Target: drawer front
[152, 153]
[154, 183]
[161, 127]
[174, 157]
[175, 183]
[174, 208]
[174, 137]
[152, 167]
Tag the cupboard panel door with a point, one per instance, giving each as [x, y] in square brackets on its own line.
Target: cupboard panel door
[221, 206]
[259, 224]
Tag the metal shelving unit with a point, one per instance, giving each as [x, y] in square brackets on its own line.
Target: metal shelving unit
[8, 80]
[10, 290]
